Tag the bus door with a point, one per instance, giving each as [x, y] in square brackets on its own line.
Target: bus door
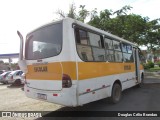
[137, 64]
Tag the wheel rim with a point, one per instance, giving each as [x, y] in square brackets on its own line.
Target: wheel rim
[117, 94]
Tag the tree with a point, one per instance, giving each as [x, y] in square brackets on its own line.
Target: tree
[132, 27]
[83, 13]
[81, 16]
[123, 10]
[61, 13]
[152, 34]
[72, 12]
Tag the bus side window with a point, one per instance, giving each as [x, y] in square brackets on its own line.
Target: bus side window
[82, 43]
[127, 52]
[98, 54]
[95, 40]
[108, 43]
[81, 36]
[85, 52]
[141, 57]
[117, 51]
[97, 46]
[110, 55]
[116, 45]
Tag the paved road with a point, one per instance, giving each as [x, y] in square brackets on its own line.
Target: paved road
[146, 98]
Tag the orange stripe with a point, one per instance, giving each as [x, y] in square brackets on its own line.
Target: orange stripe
[91, 69]
[54, 71]
[86, 70]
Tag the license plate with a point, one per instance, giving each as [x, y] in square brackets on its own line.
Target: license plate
[41, 96]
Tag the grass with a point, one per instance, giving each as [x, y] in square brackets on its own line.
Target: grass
[155, 69]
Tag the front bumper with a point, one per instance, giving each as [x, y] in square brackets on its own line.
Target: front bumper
[10, 81]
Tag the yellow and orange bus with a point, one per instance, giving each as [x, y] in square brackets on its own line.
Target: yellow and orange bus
[71, 63]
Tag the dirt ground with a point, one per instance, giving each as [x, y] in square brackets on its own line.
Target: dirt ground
[14, 99]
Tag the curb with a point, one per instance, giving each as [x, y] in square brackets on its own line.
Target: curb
[152, 73]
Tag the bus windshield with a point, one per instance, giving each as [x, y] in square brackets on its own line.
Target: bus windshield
[44, 43]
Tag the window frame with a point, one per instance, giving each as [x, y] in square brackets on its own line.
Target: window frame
[29, 35]
[89, 45]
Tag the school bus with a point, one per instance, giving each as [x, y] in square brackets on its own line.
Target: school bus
[71, 63]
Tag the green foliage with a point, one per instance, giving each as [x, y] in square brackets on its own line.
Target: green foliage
[150, 64]
[123, 10]
[132, 27]
[158, 63]
[145, 66]
[72, 11]
[83, 13]
[81, 16]
[154, 69]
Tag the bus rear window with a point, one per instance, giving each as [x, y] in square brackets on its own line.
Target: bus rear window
[44, 43]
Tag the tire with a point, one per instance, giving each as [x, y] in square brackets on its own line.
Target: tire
[6, 82]
[17, 82]
[142, 79]
[116, 93]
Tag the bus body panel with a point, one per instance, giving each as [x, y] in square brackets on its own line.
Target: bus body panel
[47, 79]
[65, 96]
[96, 79]
[101, 87]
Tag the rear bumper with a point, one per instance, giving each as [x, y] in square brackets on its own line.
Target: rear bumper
[66, 96]
[3, 81]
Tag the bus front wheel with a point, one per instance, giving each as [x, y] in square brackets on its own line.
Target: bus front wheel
[116, 93]
[140, 85]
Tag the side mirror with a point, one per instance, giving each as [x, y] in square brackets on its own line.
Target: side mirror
[21, 46]
[22, 63]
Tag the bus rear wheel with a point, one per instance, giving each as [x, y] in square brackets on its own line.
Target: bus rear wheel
[116, 93]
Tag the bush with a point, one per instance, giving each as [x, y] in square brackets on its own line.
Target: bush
[150, 64]
[158, 63]
[145, 65]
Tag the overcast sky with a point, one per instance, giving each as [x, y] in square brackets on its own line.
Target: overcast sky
[26, 15]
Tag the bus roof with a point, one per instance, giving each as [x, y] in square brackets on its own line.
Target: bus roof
[86, 26]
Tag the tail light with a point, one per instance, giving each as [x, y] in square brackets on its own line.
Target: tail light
[66, 81]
